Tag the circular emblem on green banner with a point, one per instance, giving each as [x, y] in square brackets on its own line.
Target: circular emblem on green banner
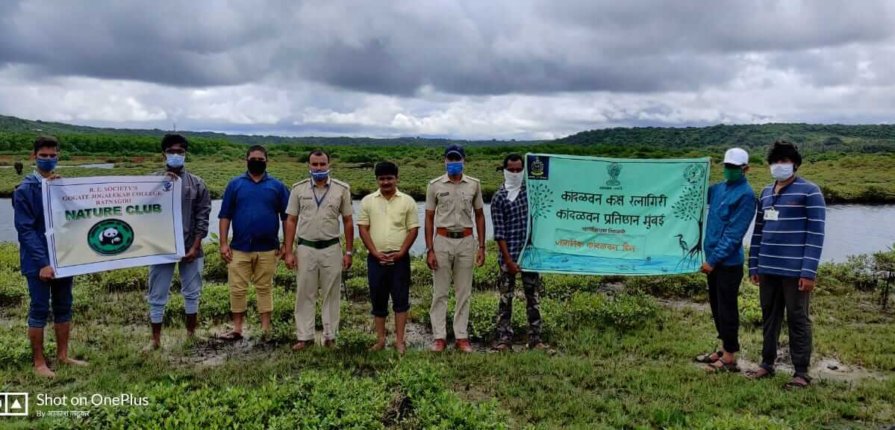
[110, 237]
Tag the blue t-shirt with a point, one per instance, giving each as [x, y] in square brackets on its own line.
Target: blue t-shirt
[255, 210]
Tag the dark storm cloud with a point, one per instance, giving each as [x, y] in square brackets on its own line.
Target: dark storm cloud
[473, 48]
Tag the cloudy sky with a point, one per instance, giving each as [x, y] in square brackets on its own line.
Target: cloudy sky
[523, 69]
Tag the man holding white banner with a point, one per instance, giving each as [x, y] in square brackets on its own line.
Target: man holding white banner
[195, 209]
[101, 223]
[43, 286]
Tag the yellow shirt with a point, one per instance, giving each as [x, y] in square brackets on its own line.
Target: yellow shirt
[389, 220]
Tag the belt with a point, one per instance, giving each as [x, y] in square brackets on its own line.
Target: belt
[318, 244]
[466, 232]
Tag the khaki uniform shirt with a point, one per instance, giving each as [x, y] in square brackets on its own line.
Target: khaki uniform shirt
[454, 204]
[319, 221]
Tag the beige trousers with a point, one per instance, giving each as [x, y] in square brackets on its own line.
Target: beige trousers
[318, 268]
[456, 261]
[256, 268]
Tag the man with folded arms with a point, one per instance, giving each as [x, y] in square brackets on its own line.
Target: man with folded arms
[388, 226]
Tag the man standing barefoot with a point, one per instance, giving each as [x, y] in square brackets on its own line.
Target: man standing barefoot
[44, 288]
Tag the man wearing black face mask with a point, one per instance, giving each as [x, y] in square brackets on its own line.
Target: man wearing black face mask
[255, 205]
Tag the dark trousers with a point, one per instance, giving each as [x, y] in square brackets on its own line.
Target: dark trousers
[724, 288]
[46, 296]
[531, 283]
[779, 293]
[389, 280]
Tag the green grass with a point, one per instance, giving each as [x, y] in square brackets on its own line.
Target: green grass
[622, 359]
[851, 178]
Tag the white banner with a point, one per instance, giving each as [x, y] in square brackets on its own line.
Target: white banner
[112, 222]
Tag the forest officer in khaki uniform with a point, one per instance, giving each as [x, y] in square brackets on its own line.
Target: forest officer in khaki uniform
[452, 201]
[312, 222]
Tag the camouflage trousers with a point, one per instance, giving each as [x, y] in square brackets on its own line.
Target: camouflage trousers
[531, 285]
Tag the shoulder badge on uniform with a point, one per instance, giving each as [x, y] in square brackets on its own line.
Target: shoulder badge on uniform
[336, 181]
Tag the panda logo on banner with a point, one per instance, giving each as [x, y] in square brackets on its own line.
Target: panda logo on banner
[110, 237]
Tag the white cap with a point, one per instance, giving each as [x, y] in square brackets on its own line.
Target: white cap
[736, 156]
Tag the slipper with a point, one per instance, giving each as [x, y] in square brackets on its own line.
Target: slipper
[231, 336]
[707, 358]
[720, 366]
[503, 346]
[797, 383]
[753, 374]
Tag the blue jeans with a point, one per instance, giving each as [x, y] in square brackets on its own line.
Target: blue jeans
[160, 277]
[57, 291]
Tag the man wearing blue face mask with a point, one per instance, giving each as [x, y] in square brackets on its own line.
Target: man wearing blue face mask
[48, 293]
[783, 259]
[312, 224]
[453, 204]
[195, 208]
[731, 209]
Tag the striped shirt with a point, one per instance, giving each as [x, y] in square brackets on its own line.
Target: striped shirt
[790, 245]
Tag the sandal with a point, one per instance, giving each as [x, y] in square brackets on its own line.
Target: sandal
[231, 336]
[720, 366]
[797, 383]
[707, 358]
[503, 346]
[758, 374]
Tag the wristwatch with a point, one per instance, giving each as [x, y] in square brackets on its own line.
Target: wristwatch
[348, 253]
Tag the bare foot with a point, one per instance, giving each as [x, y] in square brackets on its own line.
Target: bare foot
[400, 347]
[72, 362]
[378, 346]
[44, 371]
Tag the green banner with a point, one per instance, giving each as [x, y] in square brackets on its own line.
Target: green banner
[606, 216]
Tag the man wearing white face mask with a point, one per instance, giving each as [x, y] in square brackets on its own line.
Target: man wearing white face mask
[195, 210]
[783, 259]
[509, 215]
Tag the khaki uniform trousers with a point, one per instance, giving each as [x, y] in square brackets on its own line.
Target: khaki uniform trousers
[318, 268]
[456, 260]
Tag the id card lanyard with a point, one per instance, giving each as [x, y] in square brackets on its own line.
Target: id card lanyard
[323, 197]
[772, 214]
